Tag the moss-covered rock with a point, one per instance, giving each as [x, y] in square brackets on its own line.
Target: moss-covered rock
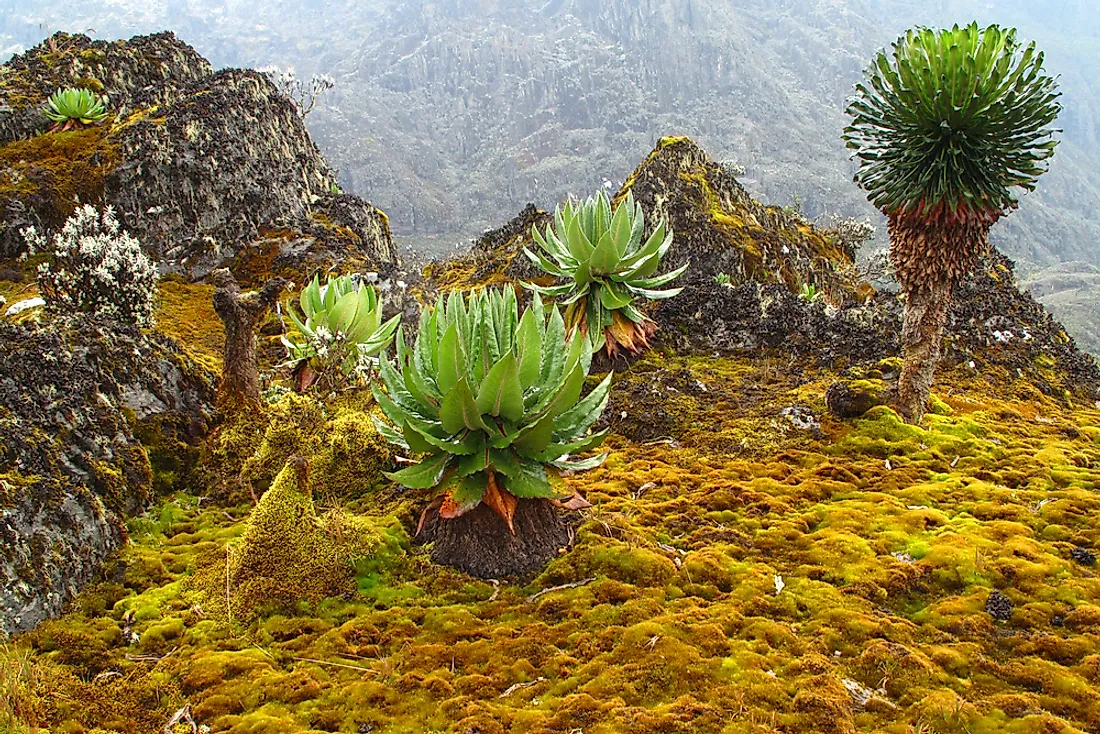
[258, 194]
[77, 398]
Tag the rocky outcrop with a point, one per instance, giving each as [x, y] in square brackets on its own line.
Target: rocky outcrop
[769, 254]
[719, 228]
[74, 397]
[206, 169]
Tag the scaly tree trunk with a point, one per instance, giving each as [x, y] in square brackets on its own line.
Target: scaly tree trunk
[240, 313]
[921, 337]
[930, 257]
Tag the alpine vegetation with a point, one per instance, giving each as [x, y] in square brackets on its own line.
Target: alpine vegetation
[607, 267]
[95, 267]
[73, 107]
[341, 332]
[492, 402]
[945, 126]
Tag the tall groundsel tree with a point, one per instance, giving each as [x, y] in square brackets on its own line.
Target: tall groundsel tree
[946, 125]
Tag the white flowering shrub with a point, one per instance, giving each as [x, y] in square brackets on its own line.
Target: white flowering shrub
[303, 94]
[95, 267]
[852, 233]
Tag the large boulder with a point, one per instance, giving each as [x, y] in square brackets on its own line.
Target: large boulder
[205, 168]
[74, 397]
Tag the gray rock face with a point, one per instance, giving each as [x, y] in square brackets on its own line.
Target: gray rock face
[206, 169]
[144, 70]
[72, 397]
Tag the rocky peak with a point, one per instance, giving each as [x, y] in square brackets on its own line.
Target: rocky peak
[142, 71]
[205, 168]
[719, 228]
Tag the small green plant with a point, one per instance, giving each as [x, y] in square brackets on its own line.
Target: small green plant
[722, 279]
[810, 293]
[341, 332]
[73, 107]
[602, 256]
[492, 401]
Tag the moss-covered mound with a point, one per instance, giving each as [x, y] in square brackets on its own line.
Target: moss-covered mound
[289, 553]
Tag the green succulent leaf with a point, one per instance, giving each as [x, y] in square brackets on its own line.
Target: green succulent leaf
[425, 474]
[501, 393]
[459, 410]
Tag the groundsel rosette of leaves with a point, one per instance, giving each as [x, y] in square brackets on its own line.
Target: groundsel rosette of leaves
[341, 328]
[606, 267]
[949, 121]
[71, 107]
[492, 401]
[95, 267]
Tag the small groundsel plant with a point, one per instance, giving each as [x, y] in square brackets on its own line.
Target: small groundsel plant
[723, 279]
[492, 402]
[606, 267]
[809, 293]
[340, 332]
[95, 267]
[73, 107]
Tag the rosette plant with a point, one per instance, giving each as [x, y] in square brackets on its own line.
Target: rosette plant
[945, 126]
[492, 404]
[73, 107]
[341, 331]
[606, 267]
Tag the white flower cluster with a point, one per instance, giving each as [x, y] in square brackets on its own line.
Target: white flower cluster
[95, 267]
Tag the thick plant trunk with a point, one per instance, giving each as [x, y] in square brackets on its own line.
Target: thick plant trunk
[930, 255]
[480, 543]
[240, 313]
[921, 337]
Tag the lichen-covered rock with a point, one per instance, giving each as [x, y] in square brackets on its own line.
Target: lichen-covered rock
[144, 70]
[719, 228]
[74, 397]
[205, 168]
[495, 257]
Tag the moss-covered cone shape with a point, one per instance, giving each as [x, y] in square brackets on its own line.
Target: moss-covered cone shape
[288, 554]
[945, 127]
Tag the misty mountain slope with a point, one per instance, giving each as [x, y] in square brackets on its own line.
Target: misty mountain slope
[451, 115]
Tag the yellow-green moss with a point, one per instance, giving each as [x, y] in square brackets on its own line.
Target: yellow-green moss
[734, 575]
[185, 311]
[63, 169]
[288, 554]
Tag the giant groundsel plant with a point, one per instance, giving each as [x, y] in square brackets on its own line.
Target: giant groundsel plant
[73, 107]
[945, 126]
[607, 267]
[492, 401]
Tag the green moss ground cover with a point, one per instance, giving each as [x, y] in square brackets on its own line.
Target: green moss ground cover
[886, 540]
